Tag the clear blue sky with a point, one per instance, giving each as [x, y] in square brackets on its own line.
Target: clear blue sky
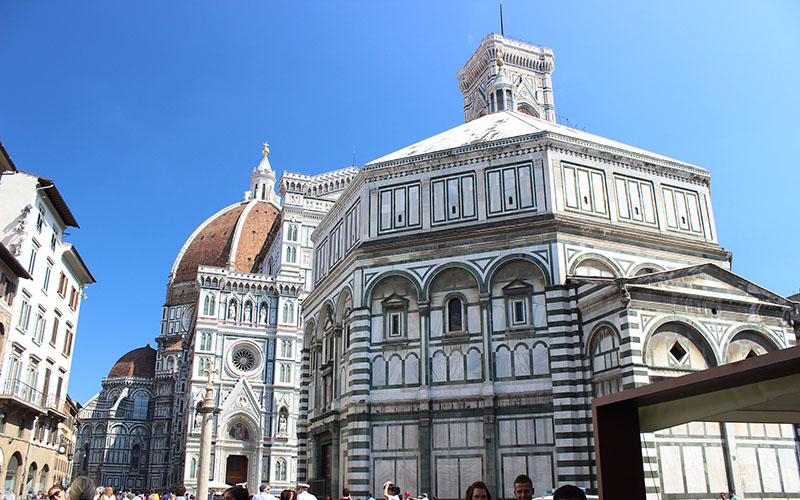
[150, 115]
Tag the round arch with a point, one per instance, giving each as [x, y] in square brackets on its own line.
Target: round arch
[244, 420]
[694, 331]
[345, 295]
[426, 285]
[595, 330]
[308, 334]
[328, 310]
[646, 265]
[367, 298]
[516, 256]
[746, 341]
[764, 335]
[600, 258]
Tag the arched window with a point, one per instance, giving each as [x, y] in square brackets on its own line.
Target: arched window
[193, 468]
[44, 482]
[605, 362]
[288, 313]
[678, 347]
[280, 470]
[455, 315]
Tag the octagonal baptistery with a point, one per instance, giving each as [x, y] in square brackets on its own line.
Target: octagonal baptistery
[474, 291]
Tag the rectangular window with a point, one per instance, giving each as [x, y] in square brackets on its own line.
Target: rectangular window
[468, 196]
[67, 349]
[399, 208]
[53, 240]
[32, 259]
[585, 189]
[386, 210]
[635, 200]
[63, 285]
[519, 316]
[395, 324]
[47, 272]
[39, 326]
[39, 220]
[682, 208]
[54, 331]
[353, 224]
[74, 297]
[8, 289]
[453, 198]
[25, 313]
[510, 189]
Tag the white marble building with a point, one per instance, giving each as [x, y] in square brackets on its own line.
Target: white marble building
[233, 304]
[475, 290]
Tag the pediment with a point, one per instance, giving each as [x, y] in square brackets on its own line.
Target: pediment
[242, 399]
[709, 281]
[517, 286]
[394, 300]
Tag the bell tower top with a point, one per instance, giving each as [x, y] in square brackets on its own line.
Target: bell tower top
[523, 68]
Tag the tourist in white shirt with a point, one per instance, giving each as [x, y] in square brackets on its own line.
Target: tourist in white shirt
[303, 493]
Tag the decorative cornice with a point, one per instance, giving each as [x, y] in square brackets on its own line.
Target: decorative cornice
[641, 162]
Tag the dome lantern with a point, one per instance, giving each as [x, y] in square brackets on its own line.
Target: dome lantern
[262, 180]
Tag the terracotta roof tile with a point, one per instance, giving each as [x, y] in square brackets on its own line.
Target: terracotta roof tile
[139, 362]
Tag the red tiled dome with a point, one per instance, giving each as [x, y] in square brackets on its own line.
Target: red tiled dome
[139, 362]
[244, 225]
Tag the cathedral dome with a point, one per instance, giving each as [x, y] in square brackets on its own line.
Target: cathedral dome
[139, 362]
[231, 239]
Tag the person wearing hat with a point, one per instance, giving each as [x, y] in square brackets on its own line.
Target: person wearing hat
[303, 493]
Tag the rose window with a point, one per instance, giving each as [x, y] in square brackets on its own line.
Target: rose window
[243, 359]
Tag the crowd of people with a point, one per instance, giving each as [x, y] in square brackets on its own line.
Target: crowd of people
[522, 487]
[82, 488]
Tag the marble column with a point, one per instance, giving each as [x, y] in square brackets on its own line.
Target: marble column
[207, 409]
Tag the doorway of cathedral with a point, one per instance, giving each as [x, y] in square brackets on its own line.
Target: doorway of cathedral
[236, 469]
[326, 467]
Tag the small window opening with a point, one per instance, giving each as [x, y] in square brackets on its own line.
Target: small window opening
[454, 320]
[394, 329]
[678, 352]
[400, 218]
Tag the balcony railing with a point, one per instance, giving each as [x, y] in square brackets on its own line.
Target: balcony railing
[22, 391]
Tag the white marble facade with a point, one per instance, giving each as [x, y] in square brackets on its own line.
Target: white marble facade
[475, 290]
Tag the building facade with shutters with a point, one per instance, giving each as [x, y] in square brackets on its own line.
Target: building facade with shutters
[474, 291]
[42, 280]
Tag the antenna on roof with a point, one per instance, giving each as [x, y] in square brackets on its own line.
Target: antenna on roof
[354, 156]
[501, 19]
